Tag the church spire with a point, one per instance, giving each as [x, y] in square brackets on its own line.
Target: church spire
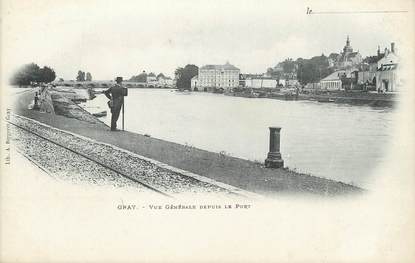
[347, 48]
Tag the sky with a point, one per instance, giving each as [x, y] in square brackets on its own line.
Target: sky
[123, 38]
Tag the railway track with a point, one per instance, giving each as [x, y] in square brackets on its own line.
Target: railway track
[119, 173]
[148, 174]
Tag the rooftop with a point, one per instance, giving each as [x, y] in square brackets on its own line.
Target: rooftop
[334, 76]
[226, 66]
[385, 67]
[373, 59]
[353, 54]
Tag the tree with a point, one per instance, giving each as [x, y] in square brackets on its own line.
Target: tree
[47, 74]
[142, 77]
[88, 76]
[313, 70]
[288, 65]
[270, 72]
[81, 76]
[184, 76]
[32, 73]
[178, 72]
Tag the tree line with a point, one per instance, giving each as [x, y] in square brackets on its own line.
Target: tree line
[142, 77]
[305, 70]
[183, 76]
[30, 73]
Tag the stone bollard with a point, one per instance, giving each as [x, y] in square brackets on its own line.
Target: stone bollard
[274, 159]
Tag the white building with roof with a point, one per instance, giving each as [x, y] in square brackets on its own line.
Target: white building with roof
[223, 77]
[164, 80]
[386, 74]
[332, 81]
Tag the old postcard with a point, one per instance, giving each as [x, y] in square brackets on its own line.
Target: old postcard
[207, 131]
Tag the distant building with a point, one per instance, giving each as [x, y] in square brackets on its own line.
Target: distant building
[349, 80]
[212, 77]
[261, 82]
[367, 71]
[169, 81]
[164, 81]
[151, 78]
[346, 58]
[387, 79]
[282, 82]
[389, 57]
[332, 81]
[242, 79]
[312, 86]
[290, 82]
[367, 79]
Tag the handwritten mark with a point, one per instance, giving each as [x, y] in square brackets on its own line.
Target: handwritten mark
[311, 12]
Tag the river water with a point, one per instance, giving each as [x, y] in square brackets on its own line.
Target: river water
[335, 141]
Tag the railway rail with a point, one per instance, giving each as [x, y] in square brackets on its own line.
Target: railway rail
[86, 157]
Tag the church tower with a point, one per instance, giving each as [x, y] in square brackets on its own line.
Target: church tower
[347, 48]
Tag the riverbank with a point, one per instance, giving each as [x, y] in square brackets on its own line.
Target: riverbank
[251, 176]
[341, 97]
[354, 98]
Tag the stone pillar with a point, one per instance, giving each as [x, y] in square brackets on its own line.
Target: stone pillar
[274, 159]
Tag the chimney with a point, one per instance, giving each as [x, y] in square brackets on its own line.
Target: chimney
[378, 51]
[393, 47]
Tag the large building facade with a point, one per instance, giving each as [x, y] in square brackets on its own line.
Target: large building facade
[213, 77]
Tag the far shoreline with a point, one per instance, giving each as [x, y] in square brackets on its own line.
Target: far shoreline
[353, 97]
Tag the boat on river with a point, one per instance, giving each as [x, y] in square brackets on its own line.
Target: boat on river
[100, 114]
[325, 100]
[183, 92]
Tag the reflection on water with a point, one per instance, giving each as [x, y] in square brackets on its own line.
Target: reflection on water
[335, 141]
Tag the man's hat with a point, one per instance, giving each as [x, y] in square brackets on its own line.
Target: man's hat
[118, 79]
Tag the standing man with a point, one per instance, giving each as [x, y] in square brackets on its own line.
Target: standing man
[116, 96]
